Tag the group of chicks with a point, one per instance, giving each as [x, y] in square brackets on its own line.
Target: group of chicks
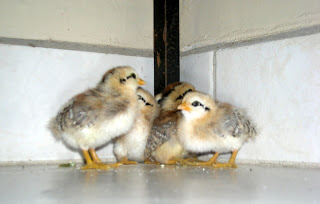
[173, 127]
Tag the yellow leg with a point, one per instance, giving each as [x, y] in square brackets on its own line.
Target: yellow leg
[231, 163]
[90, 164]
[125, 161]
[96, 163]
[87, 157]
[94, 156]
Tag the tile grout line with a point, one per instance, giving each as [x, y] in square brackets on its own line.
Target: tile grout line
[214, 64]
[254, 40]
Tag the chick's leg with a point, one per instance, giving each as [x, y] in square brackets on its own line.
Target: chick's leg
[94, 156]
[97, 160]
[90, 164]
[231, 163]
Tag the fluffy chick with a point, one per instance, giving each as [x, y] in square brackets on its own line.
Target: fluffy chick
[210, 126]
[162, 145]
[131, 146]
[94, 117]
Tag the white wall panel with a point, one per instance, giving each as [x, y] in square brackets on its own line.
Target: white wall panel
[279, 84]
[35, 82]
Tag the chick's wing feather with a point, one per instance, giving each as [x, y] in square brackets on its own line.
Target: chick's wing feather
[163, 129]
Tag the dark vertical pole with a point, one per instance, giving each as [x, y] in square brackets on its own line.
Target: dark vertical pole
[166, 43]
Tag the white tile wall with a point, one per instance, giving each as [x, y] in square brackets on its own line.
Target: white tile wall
[35, 82]
[279, 83]
[197, 69]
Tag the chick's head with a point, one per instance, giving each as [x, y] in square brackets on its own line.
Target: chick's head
[173, 94]
[148, 105]
[196, 105]
[120, 78]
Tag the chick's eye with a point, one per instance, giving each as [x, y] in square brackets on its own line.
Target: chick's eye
[134, 76]
[196, 103]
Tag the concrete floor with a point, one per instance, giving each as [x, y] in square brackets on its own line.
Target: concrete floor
[159, 184]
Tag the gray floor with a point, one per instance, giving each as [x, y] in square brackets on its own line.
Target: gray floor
[159, 184]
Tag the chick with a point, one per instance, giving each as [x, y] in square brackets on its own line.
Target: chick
[163, 145]
[94, 117]
[131, 146]
[210, 126]
[172, 95]
[166, 90]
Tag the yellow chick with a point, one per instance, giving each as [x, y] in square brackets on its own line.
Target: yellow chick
[210, 126]
[162, 144]
[130, 147]
[94, 117]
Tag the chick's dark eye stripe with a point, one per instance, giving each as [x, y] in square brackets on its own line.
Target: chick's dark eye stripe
[149, 104]
[181, 96]
[144, 100]
[132, 75]
[128, 77]
[141, 98]
[197, 103]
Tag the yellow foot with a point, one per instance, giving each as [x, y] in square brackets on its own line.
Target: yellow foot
[96, 166]
[115, 165]
[224, 165]
[101, 166]
[193, 159]
[127, 162]
[179, 161]
[151, 162]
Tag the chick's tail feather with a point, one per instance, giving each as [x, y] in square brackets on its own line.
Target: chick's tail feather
[54, 127]
[248, 126]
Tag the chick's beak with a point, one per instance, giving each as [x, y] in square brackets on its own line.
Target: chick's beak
[185, 107]
[141, 82]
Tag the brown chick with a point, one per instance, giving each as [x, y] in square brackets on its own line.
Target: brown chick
[210, 126]
[162, 144]
[129, 148]
[94, 117]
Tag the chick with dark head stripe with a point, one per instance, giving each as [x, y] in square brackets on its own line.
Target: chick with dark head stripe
[210, 126]
[162, 144]
[94, 117]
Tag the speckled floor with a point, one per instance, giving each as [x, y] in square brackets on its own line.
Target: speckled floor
[156, 184]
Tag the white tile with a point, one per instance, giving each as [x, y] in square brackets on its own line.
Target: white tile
[35, 82]
[279, 83]
[197, 69]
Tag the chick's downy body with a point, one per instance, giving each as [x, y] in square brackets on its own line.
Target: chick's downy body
[163, 145]
[131, 146]
[94, 117]
[211, 126]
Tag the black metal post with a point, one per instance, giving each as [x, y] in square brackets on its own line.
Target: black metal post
[166, 43]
